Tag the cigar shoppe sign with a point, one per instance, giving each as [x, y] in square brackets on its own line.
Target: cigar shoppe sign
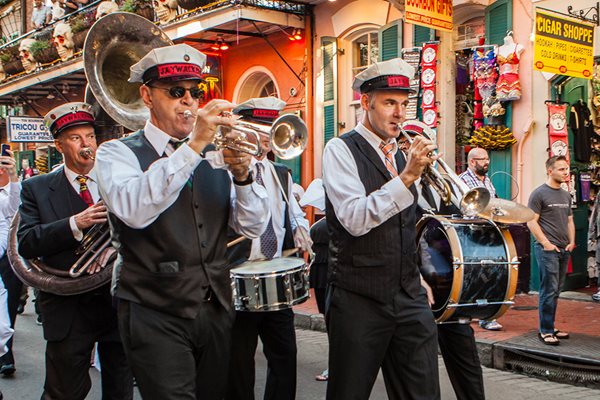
[436, 14]
[563, 45]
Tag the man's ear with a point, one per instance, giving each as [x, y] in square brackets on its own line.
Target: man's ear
[365, 101]
[58, 145]
[146, 96]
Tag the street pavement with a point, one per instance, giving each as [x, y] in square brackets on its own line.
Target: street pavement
[312, 359]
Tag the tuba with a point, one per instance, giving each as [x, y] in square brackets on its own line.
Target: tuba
[114, 43]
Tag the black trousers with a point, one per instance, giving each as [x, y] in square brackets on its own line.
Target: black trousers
[177, 358]
[399, 337]
[14, 288]
[459, 350]
[68, 360]
[277, 333]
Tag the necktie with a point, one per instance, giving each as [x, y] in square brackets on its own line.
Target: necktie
[84, 193]
[427, 195]
[268, 240]
[177, 144]
[389, 161]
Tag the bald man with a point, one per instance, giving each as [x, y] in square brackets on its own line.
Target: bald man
[476, 176]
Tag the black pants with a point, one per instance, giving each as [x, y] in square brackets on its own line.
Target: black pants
[398, 337]
[276, 331]
[14, 288]
[177, 358]
[68, 361]
[459, 350]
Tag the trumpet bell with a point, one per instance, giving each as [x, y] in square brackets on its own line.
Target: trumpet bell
[289, 136]
[475, 201]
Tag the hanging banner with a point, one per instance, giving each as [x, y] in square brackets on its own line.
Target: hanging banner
[435, 14]
[563, 45]
[28, 129]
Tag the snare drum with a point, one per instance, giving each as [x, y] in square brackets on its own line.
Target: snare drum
[471, 266]
[270, 285]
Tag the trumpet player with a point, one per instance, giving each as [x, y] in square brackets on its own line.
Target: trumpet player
[56, 210]
[378, 312]
[170, 203]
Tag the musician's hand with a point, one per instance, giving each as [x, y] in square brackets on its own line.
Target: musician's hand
[208, 120]
[95, 214]
[239, 163]
[101, 261]
[430, 298]
[419, 156]
[302, 239]
[9, 165]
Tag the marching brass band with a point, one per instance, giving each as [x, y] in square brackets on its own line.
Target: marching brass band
[172, 193]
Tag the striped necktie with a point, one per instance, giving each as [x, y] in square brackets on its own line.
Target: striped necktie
[84, 192]
[268, 240]
[389, 158]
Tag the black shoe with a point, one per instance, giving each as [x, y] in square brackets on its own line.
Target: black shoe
[7, 369]
[20, 309]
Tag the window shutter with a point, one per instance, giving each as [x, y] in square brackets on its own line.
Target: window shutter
[498, 21]
[421, 35]
[390, 41]
[328, 46]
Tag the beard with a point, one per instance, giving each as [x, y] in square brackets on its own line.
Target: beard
[481, 170]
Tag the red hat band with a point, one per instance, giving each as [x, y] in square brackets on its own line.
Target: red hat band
[72, 118]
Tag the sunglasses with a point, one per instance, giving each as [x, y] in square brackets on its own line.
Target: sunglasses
[178, 92]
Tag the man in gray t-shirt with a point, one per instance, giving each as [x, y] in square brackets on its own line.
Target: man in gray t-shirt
[554, 232]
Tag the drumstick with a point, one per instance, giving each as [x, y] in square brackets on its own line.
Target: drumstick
[289, 252]
[236, 241]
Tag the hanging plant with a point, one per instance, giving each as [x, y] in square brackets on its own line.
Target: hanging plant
[43, 51]
[497, 137]
[9, 56]
[144, 8]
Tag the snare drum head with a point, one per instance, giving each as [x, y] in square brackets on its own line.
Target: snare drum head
[267, 267]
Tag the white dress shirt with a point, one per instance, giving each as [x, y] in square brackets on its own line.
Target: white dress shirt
[137, 198]
[10, 199]
[92, 185]
[277, 207]
[358, 212]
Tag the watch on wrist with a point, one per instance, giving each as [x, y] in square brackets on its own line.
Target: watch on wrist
[246, 181]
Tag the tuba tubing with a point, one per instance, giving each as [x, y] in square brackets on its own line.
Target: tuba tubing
[47, 279]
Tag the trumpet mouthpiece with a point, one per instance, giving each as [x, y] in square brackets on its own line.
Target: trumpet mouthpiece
[87, 153]
[187, 114]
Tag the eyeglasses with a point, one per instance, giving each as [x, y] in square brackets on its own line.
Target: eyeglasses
[481, 159]
[178, 92]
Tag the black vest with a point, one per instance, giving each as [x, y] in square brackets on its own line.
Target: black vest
[170, 264]
[241, 252]
[382, 261]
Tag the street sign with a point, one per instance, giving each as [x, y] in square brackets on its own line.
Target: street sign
[28, 129]
[563, 45]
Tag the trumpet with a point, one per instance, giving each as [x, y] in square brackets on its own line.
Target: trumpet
[288, 136]
[471, 202]
[88, 153]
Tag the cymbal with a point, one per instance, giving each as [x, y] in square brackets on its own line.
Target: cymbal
[506, 212]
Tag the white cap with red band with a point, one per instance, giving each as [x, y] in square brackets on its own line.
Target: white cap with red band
[393, 74]
[67, 115]
[175, 63]
[260, 108]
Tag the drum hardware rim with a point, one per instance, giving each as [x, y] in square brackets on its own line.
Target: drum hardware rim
[513, 263]
[269, 307]
[489, 303]
[234, 275]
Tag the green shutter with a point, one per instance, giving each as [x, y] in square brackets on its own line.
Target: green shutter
[498, 21]
[329, 122]
[390, 41]
[295, 165]
[421, 35]
[328, 70]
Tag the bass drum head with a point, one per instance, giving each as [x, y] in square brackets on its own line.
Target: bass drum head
[435, 259]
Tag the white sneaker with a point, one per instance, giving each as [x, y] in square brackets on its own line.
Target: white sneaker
[596, 296]
[492, 325]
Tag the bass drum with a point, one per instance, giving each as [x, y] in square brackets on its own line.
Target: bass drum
[471, 266]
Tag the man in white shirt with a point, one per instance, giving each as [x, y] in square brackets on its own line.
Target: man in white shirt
[170, 201]
[378, 312]
[57, 209]
[40, 15]
[287, 229]
[10, 190]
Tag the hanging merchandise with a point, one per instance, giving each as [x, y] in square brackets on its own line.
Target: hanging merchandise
[581, 125]
[493, 137]
[584, 185]
[485, 71]
[508, 87]
[557, 129]
[428, 83]
[413, 57]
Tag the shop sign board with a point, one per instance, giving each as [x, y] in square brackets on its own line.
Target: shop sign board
[563, 45]
[28, 129]
[435, 14]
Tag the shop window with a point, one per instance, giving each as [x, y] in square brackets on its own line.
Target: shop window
[328, 49]
[257, 84]
[10, 20]
[468, 34]
[365, 51]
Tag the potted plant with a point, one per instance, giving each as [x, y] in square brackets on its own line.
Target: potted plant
[9, 56]
[43, 51]
[80, 24]
[140, 7]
